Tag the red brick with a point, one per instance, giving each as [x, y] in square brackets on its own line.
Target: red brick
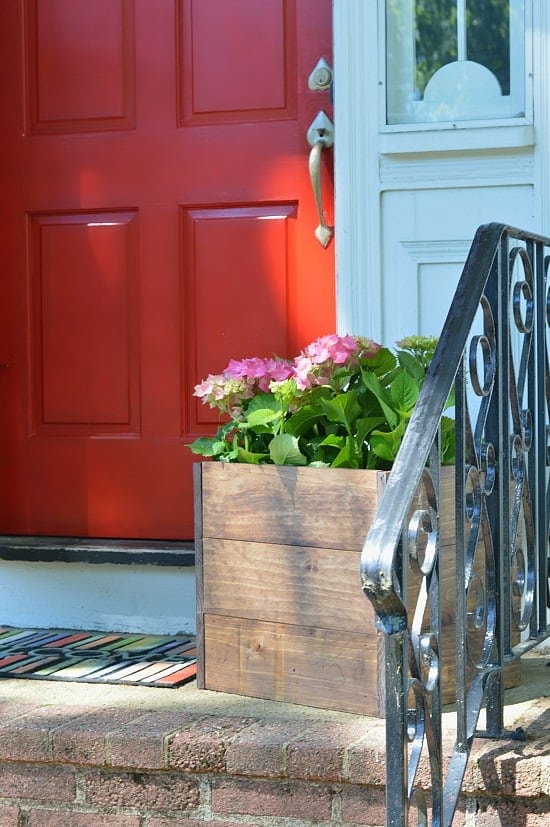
[186, 822]
[512, 813]
[10, 710]
[202, 746]
[9, 816]
[37, 782]
[143, 742]
[545, 774]
[272, 798]
[82, 741]
[529, 777]
[319, 752]
[141, 790]
[24, 742]
[507, 771]
[28, 737]
[364, 805]
[261, 749]
[46, 818]
[366, 759]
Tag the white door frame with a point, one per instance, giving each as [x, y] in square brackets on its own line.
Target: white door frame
[357, 155]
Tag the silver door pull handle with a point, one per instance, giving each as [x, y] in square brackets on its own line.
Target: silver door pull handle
[320, 135]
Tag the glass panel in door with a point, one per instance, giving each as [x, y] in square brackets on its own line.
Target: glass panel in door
[454, 60]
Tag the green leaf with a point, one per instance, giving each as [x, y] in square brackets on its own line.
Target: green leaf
[404, 392]
[343, 409]
[333, 440]
[411, 364]
[208, 446]
[383, 398]
[386, 444]
[303, 420]
[261, 418]
[284, 450]
[380, 363]
[346, 457]
[263, 401]
[250, 457]
[262, 412]
[365, 425]
[448, 441]
[451, 400]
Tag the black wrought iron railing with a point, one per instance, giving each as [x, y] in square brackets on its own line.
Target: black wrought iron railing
[493, 353]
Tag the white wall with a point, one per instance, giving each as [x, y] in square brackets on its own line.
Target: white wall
[120, 598]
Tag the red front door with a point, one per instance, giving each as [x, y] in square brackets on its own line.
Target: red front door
[156, 219]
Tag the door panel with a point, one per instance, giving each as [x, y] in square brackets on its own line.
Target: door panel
[84, 322]
[157, 219]
[254, 239]
[81, 65]
[429, 243]
[219, 79]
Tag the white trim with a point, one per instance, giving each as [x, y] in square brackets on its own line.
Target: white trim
[541, 60]
[437, 252]
[457, 137]
[358, 263]
[434, 172]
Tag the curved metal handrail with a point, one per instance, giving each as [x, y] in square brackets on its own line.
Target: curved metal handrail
[501, 518]
[378, 559]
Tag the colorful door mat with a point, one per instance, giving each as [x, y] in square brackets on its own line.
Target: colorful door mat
[97, 657]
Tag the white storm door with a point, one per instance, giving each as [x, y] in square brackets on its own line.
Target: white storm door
[437, 103]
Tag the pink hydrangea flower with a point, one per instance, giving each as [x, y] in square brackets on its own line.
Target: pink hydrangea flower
[211, 387]
[334, 348]
[242, 378]
[316, 362]
[260, 372]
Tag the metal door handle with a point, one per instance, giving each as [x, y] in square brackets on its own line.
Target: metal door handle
[320, 135]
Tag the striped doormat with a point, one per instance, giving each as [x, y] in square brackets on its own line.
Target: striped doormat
[97, 657]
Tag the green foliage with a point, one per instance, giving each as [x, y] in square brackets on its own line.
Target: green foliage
[354, 418]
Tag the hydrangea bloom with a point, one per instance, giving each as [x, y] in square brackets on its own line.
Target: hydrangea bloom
[260, 372]
[318, 409]
[223, 392]
[316, 364]
[241, 380]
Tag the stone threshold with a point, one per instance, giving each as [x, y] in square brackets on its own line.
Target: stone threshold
[82, 755]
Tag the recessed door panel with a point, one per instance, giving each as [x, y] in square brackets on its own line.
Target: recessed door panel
[84, 322]
[81, 64]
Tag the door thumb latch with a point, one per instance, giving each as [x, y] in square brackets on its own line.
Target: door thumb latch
[321, 78]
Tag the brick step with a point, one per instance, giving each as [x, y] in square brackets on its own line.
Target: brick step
[157, 764]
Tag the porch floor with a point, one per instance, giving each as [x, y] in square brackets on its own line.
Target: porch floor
[84, 755]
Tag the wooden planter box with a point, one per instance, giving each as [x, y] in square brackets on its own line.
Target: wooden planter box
[280, 610]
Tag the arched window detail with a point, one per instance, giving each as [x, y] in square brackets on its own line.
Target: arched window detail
[454, 60]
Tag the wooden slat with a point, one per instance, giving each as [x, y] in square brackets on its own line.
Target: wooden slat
[199, 571]
[285, 584]
[259, 503]
[297, 664]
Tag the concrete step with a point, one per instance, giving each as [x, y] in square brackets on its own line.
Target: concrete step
[82, 755]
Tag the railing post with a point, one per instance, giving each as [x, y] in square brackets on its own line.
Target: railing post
[396, 716]
[493, 350]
